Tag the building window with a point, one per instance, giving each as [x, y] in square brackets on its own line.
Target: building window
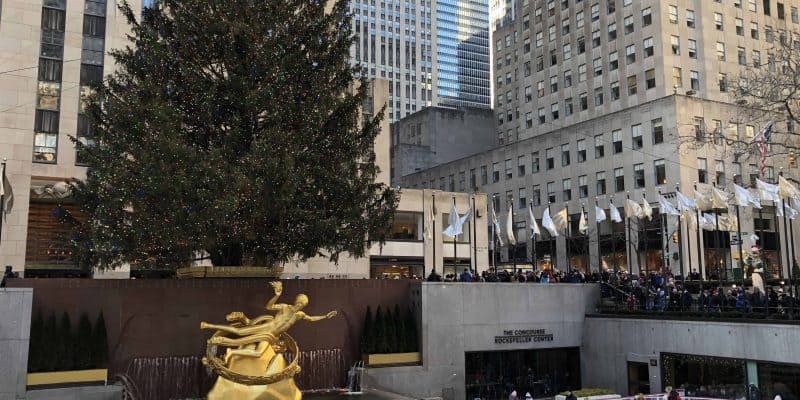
[451, 183]
[628, 22]
[581, 45]
[554, 111]
[583, 188]
[473, 183]
[613, 61]
[619, 180]
[675, 43]
[582, 73]
[601, 183]
[650, 78]
[612, 31]
[648, 47]
[756, 59]
[638, 176]
[614, 90]
[534, 162]
[677, 77]
[723, 82]
[690, 19]
[630, 54]
[720, 51]
[521, 163]
[636, 136]
[568, 106]
[536, 196]
[567, 192]
[751, 5]
[565, 160]
[616, 141]
[542, 117]
[647, 16]
[741, 55]
[692, 48]
[754, 30]
[522, 198]
[484, 176]
[551, 192]
[568, 78]
[553, 84]
[658, 130]
[509, 170]
[702, 170]
[549, 159]
[495, 172]
[595, 39]
[595, 10]
[632, 85]
[581, 150]
[673, 14]
[660, 170]
[584, 101]
[695, 80]
[719, 167]
[599, 147]
[597, 66]
[598, 97]
[699, 129]
[718, 21]
[528, 120]
[85, 136]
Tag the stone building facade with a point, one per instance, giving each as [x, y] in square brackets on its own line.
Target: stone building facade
[654, 111]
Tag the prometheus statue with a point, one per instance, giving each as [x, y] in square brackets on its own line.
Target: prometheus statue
[254, 367]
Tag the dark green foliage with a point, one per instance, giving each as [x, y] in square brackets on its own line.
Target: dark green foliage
[399, 331]
[412, 338]
[367, 334]
[51, 344]
[381, 339]
[35, 352]
[83, 343]
[99, 351]
[389, 331]
[66, 343]
[231, 127]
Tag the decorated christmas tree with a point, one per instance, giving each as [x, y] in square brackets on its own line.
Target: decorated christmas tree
[232, 128]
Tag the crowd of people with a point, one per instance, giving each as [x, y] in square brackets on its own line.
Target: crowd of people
[521, 276]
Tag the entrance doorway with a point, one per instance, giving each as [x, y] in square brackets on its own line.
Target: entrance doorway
[638, 378]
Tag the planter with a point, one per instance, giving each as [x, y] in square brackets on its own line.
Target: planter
[377, 360]
[67, 377]
[601, 397]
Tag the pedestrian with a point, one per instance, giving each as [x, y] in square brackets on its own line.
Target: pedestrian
[513, 395]
[571, 396]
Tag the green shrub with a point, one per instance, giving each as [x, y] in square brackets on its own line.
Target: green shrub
[99, 346]
[37, 341]
[399, 331]
[368, 333]
[66, 343]
[82, 348]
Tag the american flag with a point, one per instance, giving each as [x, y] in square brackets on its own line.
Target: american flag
[763, 147]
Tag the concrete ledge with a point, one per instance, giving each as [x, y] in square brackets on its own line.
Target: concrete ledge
[77, 393]
[374, 360]
[67, 377]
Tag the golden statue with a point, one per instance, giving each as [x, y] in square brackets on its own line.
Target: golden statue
[254, 367]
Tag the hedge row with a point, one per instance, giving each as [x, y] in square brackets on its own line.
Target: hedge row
[56, 346]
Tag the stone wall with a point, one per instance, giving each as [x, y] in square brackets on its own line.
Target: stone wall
[15, 327]
[458, 318]
[609, 343]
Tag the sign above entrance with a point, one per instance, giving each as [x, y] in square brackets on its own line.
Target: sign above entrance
[523, 336]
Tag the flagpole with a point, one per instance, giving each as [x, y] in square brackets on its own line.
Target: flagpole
[433, 234]
[551, 245]
[700, 255]
[791, 270]
[786, 242]
[567, 236]
[628, 238]
[597, 228]
[741, 239]
[512, 251]
[494, 242]
[2, 199]
[474, 238]
[663, 228]
[680, 239]
[535, 266]
[455, 241]
[588, 258]
[646, 239]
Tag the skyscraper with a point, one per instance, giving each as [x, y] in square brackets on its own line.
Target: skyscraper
[431, 52]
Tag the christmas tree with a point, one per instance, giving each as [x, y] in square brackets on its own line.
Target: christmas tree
[232, 128]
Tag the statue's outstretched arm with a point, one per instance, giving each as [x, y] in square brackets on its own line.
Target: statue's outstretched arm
[317, 318]
[263, 318]
[278, 288]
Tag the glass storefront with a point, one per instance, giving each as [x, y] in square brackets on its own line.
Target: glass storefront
[702, 376]
[397, 270]
[782, 379]
[542, 373]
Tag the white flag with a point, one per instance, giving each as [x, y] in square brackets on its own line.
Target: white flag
[464, 218]
[454, 228]
[600, 214]
[778, 210]
[685, 203]
[786, 189]
[496, 226]
[719, 199]
[767, 191]
[733, 223]
[744, 198]
[510, 227]
[614, 213]
[691, 219]
[791, 212]
[560, 220]
[583, 226]
[666, 207]
[428, 221]
[708, 222]
[632, 209]
[534, 226]
[547, 223]
[703, 203]
[647, 211]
